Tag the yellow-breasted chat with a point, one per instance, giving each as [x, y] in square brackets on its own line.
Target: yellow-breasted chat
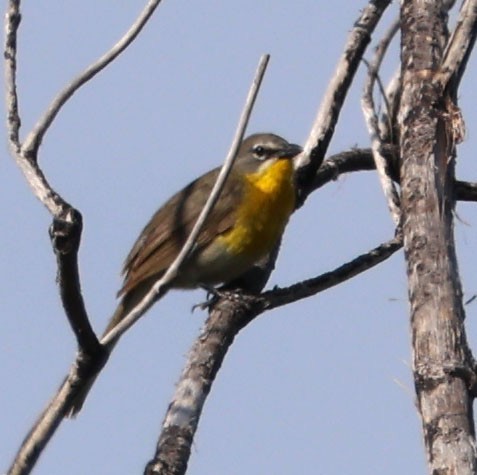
[247, 221]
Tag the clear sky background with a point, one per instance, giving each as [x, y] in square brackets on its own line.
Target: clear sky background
[320, 387]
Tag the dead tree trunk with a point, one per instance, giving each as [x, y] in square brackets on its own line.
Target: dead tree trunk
[441, 360]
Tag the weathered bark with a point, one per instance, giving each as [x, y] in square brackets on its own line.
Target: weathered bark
[442, 362]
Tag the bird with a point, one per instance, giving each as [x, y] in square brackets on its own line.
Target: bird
[245, 224]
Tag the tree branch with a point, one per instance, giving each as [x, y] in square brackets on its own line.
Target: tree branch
[460, 45]
[65, 217]
[326, 119]
[65, 237]
[12, 22]
[205, 358]
[371, 117]
[361, 159]
[65, 232]
[35, 137]
[307, 288]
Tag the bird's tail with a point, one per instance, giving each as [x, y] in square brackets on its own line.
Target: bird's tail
[127, 303]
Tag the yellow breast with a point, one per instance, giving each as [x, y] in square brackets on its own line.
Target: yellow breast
[268, 201]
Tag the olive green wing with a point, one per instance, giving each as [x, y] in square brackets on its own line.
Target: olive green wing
[165, 234]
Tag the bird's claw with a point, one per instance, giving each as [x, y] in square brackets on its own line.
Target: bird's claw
[213, 296]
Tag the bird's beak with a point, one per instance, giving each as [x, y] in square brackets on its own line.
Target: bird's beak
[290, 151]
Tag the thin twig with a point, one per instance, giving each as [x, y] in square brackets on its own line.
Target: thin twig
[12, 21]
[387, 121]
[279, 297]
[326, 119]
[162, 285]
[34, 176]
[354, 160]
[460, 44]
[34, 139]
[371, 117]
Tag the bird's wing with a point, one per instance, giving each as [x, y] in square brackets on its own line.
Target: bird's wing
[164, 235]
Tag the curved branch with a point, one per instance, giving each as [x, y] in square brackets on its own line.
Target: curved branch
[67, 226]
[65, 236]
[65, 232]
[35, 137]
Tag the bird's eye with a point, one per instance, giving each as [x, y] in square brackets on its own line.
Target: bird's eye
[259, 151]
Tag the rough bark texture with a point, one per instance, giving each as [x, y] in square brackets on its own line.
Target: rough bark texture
[225, 320]
[442, 363]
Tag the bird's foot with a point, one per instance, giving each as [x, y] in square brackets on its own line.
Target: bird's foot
[215, 294]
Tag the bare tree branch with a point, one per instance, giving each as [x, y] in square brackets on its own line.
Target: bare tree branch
[466, 191]
[326, 119]
[460, 44]
[65, 231]
[371, 117]
[205, 358]
[66, 242]
[35, 137]
[65, 216]
[65, 237]
[354, 160]
[12, 22]
[42, 431]
[361, 159]
[35, 178]
[307, 288]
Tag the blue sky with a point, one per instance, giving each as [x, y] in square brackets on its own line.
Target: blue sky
[320, 387]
